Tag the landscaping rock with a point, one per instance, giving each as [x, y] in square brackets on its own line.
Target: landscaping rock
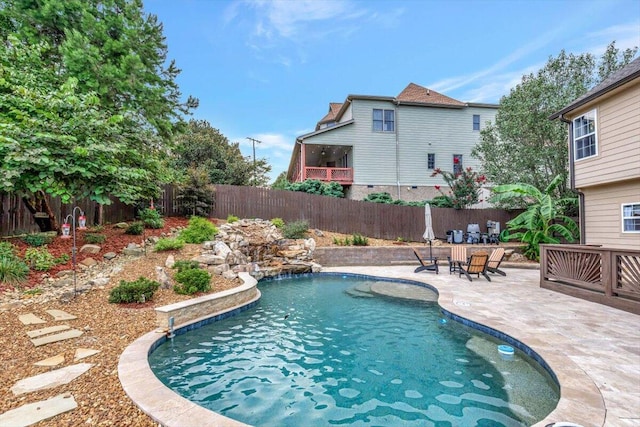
[110, 255]
[163, 278]
[121, 225]
[90, 249]
[170, 262]
[210, 259]
[88, 262]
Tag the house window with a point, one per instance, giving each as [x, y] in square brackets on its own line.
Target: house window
[584, 135]
[631, 218]
[476, 122]
[457, 164]
[383, 120]
[431, 161]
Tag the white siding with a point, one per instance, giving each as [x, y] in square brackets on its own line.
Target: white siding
[603, 216]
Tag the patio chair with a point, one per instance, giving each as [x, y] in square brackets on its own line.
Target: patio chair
[458, 254]
[428, 263]
[477, 265]
[495, 259]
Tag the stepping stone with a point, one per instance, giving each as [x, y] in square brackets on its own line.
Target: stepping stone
[81, 353]
[30, 319]
[73, 333]
[61, 315]
[32, 413]
[45, 331]
[50, 379]
[51, 361]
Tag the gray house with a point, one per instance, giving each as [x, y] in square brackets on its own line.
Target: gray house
[372, 144]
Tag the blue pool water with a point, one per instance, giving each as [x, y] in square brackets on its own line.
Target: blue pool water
[325, 350]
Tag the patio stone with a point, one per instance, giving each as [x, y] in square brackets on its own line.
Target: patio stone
[35, 412]
[61, 315]
[50, 379]
[30, 319]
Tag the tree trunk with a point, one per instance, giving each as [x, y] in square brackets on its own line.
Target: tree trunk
[98, 214]
[41, 210]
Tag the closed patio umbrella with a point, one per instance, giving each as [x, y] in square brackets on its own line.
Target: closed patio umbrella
[428, 230]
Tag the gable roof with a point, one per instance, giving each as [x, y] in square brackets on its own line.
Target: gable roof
[334, 107]
[417, 94]
[619, 77]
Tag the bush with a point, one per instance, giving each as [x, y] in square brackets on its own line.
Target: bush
[94, 238]
[360, 240]
[313, 186]
[136, 228]
[37, 239]
[195, 193]
[192, 280]
[166, 244]
[296, 229]
[340, 242]
[232, 218]
[139, 291]
[39, 258]
[186, 265]
[199, 230]
[278, 222]
[151, 218]
[7, 250]
[13, 270]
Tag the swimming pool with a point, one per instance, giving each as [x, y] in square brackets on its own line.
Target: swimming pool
[326, 349]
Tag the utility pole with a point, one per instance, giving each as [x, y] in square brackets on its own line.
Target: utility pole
[254, 141]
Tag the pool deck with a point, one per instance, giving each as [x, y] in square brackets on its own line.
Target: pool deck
[594, 350]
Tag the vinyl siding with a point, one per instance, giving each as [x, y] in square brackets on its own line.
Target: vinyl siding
[603, 215]
[618, 133]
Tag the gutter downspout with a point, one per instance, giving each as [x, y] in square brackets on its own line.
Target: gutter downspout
[572, 180]
[397, 150]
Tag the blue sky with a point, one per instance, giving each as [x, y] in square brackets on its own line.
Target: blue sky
[268, 69]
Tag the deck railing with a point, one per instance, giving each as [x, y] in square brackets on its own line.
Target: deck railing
[604, 275]
[341, 175]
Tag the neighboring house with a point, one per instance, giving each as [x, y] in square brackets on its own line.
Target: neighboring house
[373, 144]
[604, 151]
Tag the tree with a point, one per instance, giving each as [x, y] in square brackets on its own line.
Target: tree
[281, 182]
[201, 145]
[464, 188]
[542, 221]
[53, 139]
[524, 145]
[90, 111]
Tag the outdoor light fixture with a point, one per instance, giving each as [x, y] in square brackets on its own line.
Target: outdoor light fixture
[68, 229]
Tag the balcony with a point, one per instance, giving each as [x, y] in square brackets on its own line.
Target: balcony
[343, 176]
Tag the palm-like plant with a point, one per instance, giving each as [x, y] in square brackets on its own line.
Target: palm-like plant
[542, 221]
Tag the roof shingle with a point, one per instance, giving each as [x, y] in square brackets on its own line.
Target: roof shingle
[422, 95]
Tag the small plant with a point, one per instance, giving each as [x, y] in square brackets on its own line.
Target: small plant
[13, 270]
[7, 250]
[39, 258]
[232, 218]
[94, 238]
[360, 240]
[37, 239]
[185, 265]
[278, 222]
[136, 229]
[33, 291]
[199, 230]
[151, 218]
[192, 280]
[166, 244]
[139, 291]
[340, 242]
[62, 259]
[295, 230]
[97, 228]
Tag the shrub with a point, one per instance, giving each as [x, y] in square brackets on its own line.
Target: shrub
[313, 186]
[97, 228]
[199, 230]
[360, 240]
[135, 228]
[94, 238]
[464, 186]
[232, 218]
[7, 250]
[37, 239]
[13, 270]
[151, 218]
[39, 258]
[138, 291]
[340, 242]
[62, 259]
[195, 193]
[192, 280]
[186, 265]
[278, 222]
[166, 244]
[296, 229]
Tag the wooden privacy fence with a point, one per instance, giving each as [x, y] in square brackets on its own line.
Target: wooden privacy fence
[325, 213]
[604, 275]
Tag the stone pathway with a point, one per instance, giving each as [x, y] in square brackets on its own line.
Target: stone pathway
[35, 412]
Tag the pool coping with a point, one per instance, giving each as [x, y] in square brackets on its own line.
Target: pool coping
[580, 397]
